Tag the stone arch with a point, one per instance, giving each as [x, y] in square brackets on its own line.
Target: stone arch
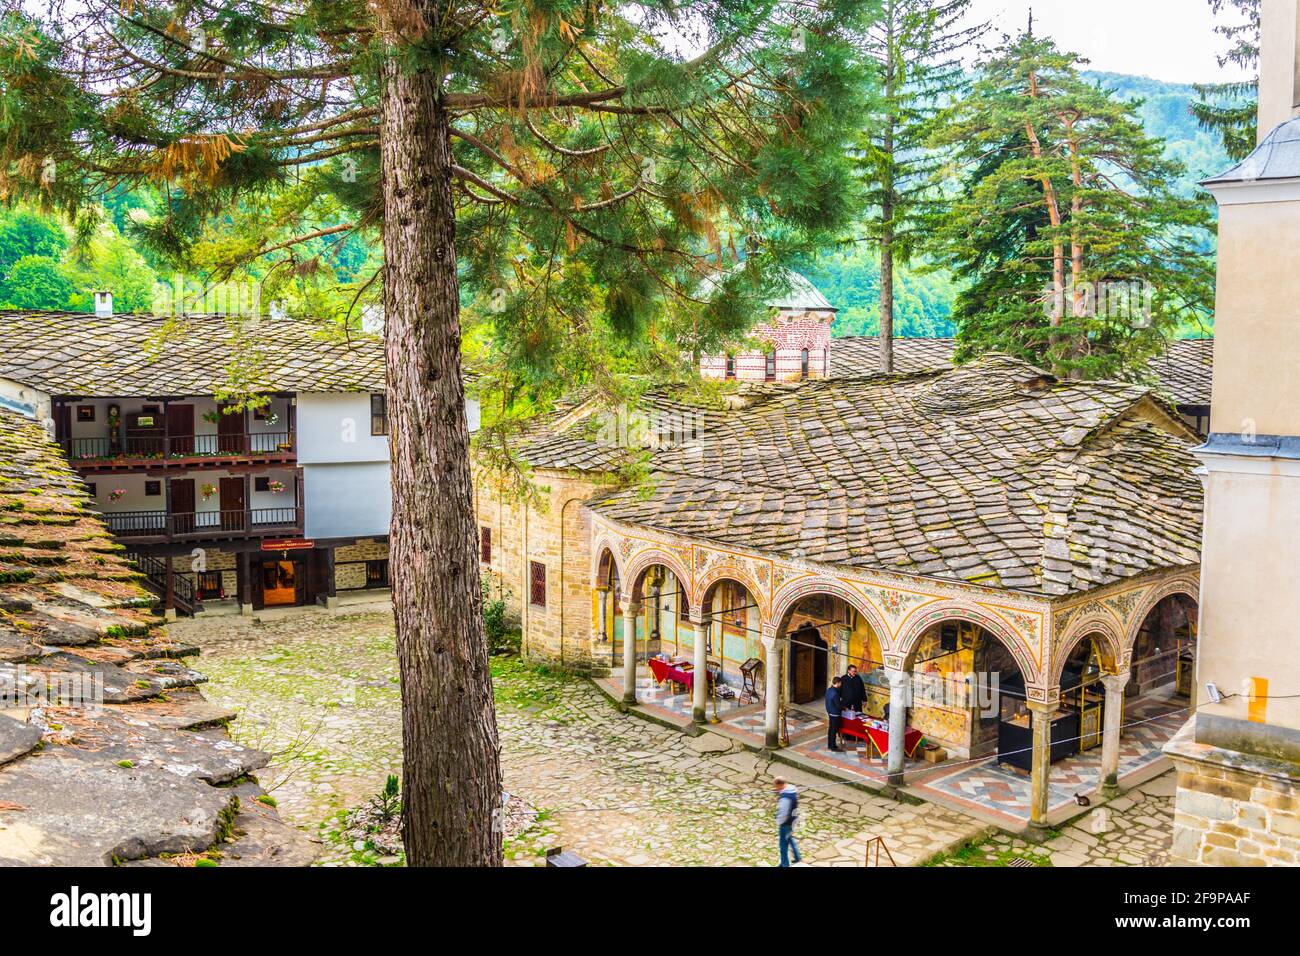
[602, 546]
[1113, 649]
[644, 560]
[728, 572]
[1187, 587]
[932, 614]
[796, 591]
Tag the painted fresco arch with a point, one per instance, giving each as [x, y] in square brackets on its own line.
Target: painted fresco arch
[905, 644]
[1112, 647]
[1187, 587]
[728, 572]
[788, 598]
[604, 563]
[648, 558]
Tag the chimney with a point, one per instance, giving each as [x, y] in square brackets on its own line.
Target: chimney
[104, 304]
[1279, 64]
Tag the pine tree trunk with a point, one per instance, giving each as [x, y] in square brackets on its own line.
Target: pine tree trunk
[451, 788]
[887, 294]
[887, 203]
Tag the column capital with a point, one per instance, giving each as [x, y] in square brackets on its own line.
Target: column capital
[1044, 708]
[630, 606]
[768, 631]
[698, 617]
[1118, 681]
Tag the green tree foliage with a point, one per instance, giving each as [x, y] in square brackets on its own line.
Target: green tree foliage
[580, 167]
[1229, 109]
[915, 49]
[26, 233]
[1073, 245]
[67, 274]
[36, 282]
[851, 282]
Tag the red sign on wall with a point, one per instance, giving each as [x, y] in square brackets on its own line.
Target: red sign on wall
[287, 544]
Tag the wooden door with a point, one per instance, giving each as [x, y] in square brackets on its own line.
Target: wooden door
[230, 432]
[180, 429]
[232, 504]
[183, 505]
[803, 675]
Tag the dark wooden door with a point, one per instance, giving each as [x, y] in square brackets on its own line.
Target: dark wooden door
[63, 424]
[803, 675]
[180, 429]
[183, 505]
[232, 504]
[230, 432]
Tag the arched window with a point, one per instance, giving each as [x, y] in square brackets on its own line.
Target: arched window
[803, 364]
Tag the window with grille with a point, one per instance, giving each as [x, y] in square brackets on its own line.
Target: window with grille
[536, 584]
[485, 545]
[377, 573]
[208, 584]
[803, 364]
[769, 367]
[378, 415]
[731, 366]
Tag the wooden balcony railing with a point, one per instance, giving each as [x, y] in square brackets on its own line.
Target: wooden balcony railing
[179, 446]
[196, 525]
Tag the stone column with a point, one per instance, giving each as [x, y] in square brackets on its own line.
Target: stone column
[1041, 720]
[630, 610]
[772, 694]
[1115, 684]
[700, 690]
[602, 598]
[899, 688]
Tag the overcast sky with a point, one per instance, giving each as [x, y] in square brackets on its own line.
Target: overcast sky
[1167, 39]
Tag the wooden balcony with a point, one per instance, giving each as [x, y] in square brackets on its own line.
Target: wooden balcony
[152, 527]
[129, 452]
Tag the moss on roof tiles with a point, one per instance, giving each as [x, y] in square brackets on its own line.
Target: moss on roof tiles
[77, 353]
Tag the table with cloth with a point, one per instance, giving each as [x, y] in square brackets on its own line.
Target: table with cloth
[876, 733]
[678, 672]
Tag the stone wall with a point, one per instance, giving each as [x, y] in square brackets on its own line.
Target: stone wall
[1233, 809]
[555, 531]
[349, 575]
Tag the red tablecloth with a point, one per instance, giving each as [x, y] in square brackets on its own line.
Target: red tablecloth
[665, 670]
[879, 739]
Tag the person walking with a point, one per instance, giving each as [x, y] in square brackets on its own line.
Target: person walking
[834, 709]
[787, 812]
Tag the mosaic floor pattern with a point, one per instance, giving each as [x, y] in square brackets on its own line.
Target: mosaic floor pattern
[661, 699]
[1003, 790]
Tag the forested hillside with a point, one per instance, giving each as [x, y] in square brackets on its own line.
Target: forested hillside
[923, 301]
[42, 267]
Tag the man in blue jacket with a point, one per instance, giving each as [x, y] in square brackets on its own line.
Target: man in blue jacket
[787, 811]
[834, 707]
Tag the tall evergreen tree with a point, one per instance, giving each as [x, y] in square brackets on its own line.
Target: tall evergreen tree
[1229, 109]
[1078, 251]
[564, 158]
[915, 50]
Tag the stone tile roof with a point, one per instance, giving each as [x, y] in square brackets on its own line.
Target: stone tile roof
[97, 759]
[993, 473]
[76, 353]
[1184, 370]
[1278, 157]
[578, 436]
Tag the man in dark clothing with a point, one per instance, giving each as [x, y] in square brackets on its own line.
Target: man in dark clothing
[833, 708]
[853, 690]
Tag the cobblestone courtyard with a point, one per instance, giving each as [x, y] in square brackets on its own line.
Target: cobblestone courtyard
[320, 693]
